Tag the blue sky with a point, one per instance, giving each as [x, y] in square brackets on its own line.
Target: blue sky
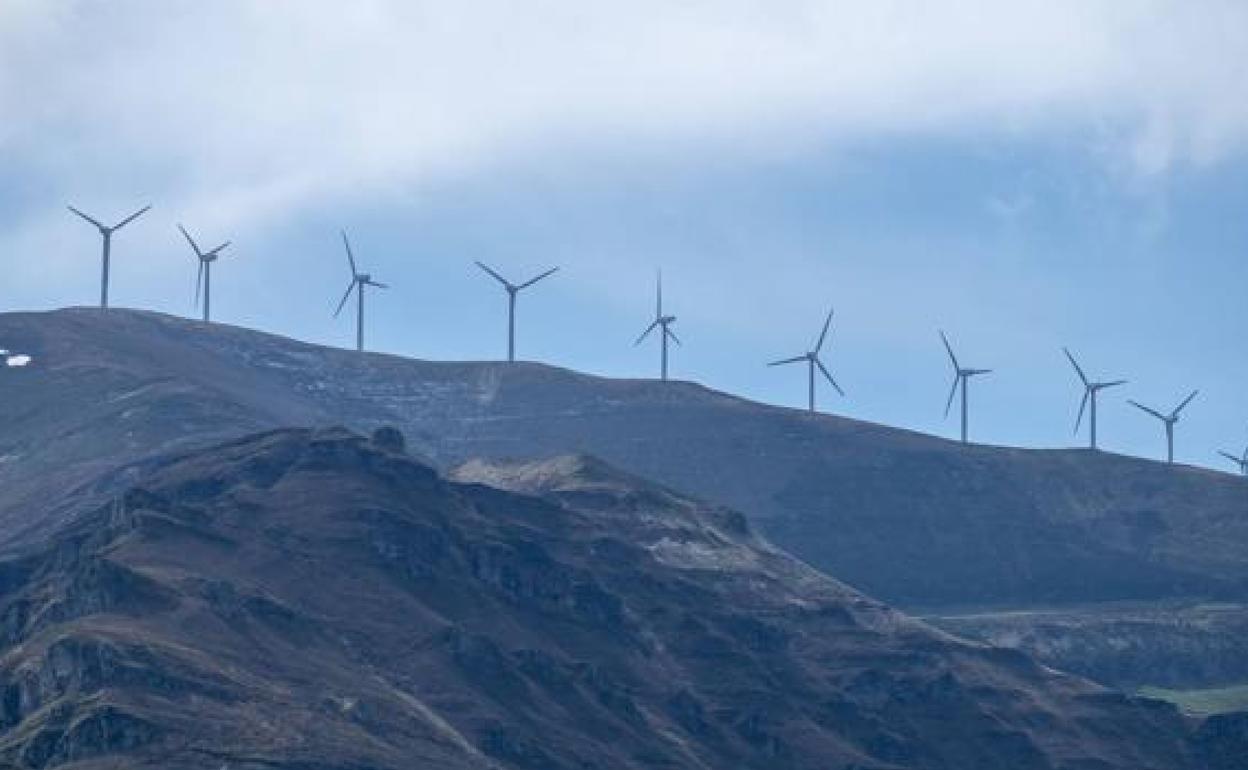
[1023, 175]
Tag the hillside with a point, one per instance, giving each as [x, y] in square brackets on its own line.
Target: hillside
[301, 599]
[914, 519]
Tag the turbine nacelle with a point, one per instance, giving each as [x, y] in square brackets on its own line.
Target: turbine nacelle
[1169, 420]
[203, 286]
[1240, 462]
[358, 282]
[961, 376]
[1090, 391]
[811, 357]
[661, 321]
[106, 236]
[204, 256]
[513, 290]
[107, 229]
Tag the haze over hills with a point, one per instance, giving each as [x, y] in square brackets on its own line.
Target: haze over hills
[913, 519]
[312, 599]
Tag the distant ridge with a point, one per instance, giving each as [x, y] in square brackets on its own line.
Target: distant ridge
[915, 519]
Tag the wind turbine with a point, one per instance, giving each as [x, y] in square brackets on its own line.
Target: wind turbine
[661, 321]
[1169, 420]
[358, 282]
[1090, 391]
[961, 377]
[1241, 461]
[512, 291]
[106, 233]
[203, 275]
[811, 358]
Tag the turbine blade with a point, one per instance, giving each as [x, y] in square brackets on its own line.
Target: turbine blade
[792, 360]
[378, 284]
[1186, 401]
[191, 241]
[1082, 406]
[199, 278]
[217, 250]
[1078, 368]
[532, 281]
[1153, 412]
[496, 276]
[1114, 384]
[350, 257]
[132, 217]
[84, 216]
[646, 333]
[658, 312]
[668, 331]
[952, 392]
[828, 374]
[823, 334]
[345, 297]
[1232, 458]
[975, 372]
[949, 350]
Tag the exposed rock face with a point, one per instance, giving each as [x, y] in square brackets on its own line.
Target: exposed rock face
[305, 599]
[885, 510]
[1126, 646]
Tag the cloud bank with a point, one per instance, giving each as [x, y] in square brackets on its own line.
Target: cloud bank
[260, 106]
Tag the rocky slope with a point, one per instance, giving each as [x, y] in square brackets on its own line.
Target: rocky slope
[1182, 646]
[913, 519]
[316, 600]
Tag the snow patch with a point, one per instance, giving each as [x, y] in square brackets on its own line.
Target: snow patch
[18, 360]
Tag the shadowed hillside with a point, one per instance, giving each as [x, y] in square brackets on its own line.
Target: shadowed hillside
[911, 518]
[304, 600]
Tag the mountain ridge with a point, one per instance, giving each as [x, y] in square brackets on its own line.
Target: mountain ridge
[882, 508]
[304, 599]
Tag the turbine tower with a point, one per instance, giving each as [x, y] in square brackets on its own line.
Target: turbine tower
[1169, 420]
[1241, 461]
[358, 282]
[106, 233]
[665, 323]
[512, 290]
[203, 275]
[961, 378]
[1090, 391]
[811, 358]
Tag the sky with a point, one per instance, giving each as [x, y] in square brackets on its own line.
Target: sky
[1024, 175]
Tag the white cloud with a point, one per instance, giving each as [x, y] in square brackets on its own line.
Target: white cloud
[258, 106]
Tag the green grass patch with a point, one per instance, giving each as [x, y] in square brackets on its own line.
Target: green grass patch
[1220, 700]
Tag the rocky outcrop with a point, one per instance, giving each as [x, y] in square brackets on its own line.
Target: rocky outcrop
[315, 599]
[1182, 646]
